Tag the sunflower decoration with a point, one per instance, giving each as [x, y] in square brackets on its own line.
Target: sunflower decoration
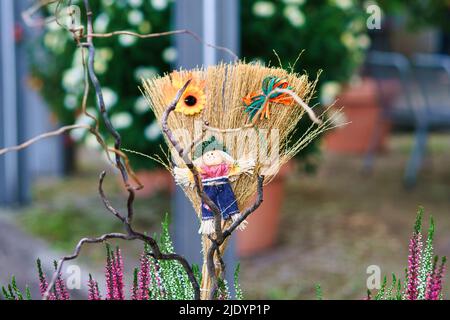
[193, 100]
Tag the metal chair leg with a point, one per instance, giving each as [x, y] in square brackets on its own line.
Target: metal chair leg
[416, 157]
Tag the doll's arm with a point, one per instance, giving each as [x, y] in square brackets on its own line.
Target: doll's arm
[183, 177]
[242, 166]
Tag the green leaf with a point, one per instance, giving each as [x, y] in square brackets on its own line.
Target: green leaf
[237, 287]
[418, 223]
[319, 294]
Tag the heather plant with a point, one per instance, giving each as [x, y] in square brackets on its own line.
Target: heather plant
[152, 279]
[425, 272]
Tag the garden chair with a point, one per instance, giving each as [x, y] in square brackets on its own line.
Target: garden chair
[413, 96]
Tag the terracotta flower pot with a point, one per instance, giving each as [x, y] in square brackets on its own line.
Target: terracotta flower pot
[154, 181]
[362, 111]
[262, 230]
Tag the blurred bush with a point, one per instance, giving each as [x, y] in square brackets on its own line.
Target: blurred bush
[332, 33]
[120, 64]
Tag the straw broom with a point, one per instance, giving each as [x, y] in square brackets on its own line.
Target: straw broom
[213, 103]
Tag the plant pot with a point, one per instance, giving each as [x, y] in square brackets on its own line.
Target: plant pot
[154, 181]
[263, 224]
[364, 116]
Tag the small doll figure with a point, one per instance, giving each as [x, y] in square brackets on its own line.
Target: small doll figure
[217, 170]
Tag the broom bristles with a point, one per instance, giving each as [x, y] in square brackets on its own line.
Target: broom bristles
[225, 87]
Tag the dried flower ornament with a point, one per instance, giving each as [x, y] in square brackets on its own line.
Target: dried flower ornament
[193, 100]
[259, 103]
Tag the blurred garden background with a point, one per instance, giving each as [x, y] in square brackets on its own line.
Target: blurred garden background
[346, 202]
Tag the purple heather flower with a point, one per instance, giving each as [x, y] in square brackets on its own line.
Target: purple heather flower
[43, 284]
[144, 278]
[415, 252]
[94, 293]
[60, 286]
[135, 287]
[434, 281]
[109, 274]
[118, 276]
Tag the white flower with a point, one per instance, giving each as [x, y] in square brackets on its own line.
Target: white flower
[135, 3]
[55, 41]
[152, 132]
[357, 25]
[160, 4]
[170, 55]
[105, 54]
[135, 17]
[141, 106]
[348, 39]
[343, 4]
[110, 97]
[329, 91]
[72, 78]
[121, 120]
[52, 26]
[297, 2]
[294, 15]
[363, 41]
[70, 101]
[126, 40]
[263, 9]
[145, 27]
[107, 3]
[101, 23]
[100, 67]
[145, 73]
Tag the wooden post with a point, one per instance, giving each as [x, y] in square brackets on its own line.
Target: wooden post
[217, 21]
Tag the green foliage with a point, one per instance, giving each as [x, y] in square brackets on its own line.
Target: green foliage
[175, 280]
[319, 293]
[53, 226]
[237, 286]
[418, 223]
[12, 292]
[420, 13]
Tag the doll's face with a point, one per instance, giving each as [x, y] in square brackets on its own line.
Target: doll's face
[212, 158]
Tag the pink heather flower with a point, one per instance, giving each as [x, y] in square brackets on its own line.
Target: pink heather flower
[415, 252]
[144, 278]
[118, 276]
[43, 284]
[434, 282]
[134, 288]
[109, 274]
[61, 290]
[94, 293]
